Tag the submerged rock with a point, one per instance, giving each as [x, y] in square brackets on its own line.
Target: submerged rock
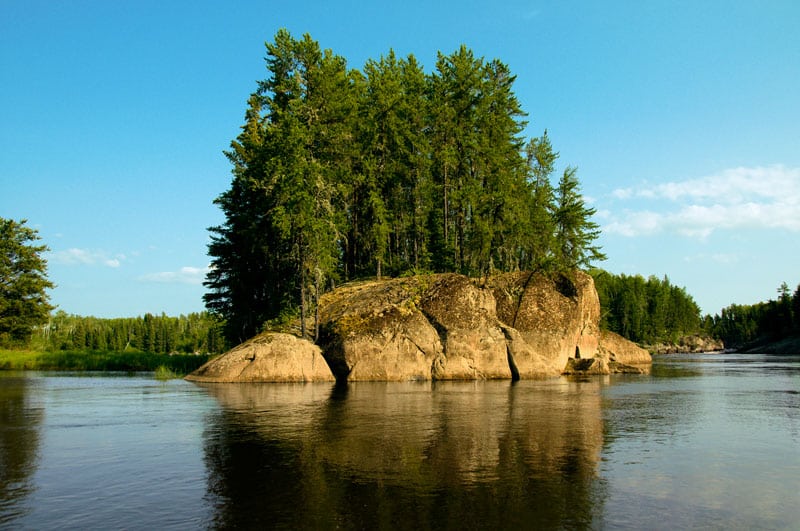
[441, 327]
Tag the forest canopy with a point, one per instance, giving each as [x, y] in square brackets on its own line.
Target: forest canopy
[341, 173]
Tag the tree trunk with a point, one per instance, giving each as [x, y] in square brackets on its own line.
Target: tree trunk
[316, 305]
[302, 299]
[446, 242]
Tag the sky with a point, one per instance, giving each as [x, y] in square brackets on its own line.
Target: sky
[682, 117]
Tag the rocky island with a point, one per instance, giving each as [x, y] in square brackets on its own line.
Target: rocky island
[441, 327]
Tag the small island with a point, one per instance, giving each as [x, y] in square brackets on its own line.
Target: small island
[441, 327]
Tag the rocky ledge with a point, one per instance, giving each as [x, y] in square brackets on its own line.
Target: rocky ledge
[441, 327]
[688, 345]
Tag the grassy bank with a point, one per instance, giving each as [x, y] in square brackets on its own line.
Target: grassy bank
[178, 364]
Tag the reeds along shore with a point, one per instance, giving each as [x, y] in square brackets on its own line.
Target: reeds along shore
[178, 364]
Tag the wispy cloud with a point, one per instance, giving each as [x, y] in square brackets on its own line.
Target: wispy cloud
[91, 257]
[738, 198]
[185, 275]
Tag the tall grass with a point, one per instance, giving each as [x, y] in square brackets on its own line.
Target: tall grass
[178, 364]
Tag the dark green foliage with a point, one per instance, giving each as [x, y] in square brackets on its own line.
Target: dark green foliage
[575, 231]
[645, 311]
[740, 324]
[341, 174]
[24, 303]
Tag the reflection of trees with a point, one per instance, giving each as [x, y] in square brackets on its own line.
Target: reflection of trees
[416, 455]
[19, 443]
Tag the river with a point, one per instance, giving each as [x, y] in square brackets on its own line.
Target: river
[704, 441]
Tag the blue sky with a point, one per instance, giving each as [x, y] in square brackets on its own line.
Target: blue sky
[683, 119]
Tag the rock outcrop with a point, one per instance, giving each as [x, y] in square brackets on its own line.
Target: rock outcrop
[268, 357]
[441, 327]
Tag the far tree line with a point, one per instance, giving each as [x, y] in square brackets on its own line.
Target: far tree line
[646, 311]
[195, 333]
[652, 310]
[342, 173]
[740, 324]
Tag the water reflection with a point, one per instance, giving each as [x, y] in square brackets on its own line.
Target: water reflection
[20, 423]
[406, 455]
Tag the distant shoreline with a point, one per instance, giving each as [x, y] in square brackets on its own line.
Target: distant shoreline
[787, 345]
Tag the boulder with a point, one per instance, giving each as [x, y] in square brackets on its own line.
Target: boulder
[268, 357]
[556, 317]
[614, 347]
[375, 331]
[587, 366]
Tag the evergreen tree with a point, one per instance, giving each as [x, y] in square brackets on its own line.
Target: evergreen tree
[540, 228]
[24, 302]
[282, 231]
[575, 231]
[477, 165]
[796, 309]
[343, 174]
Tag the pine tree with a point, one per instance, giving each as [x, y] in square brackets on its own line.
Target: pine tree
[24, 302]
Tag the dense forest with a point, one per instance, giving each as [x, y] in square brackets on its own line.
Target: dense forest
[740, 324]
[157, 334]
[646, 311]
[341, 173]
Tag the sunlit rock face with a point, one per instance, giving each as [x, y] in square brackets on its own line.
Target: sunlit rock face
[268, 357]
[465, 316]
[614, 347]
[441, 327]
[556, 317]
[374, 331]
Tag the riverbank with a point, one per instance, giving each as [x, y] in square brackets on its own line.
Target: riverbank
[788, 345]
[65, 360]
[687, 345]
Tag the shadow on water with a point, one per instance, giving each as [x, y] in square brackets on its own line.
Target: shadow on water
[20, 422]
[406, 455]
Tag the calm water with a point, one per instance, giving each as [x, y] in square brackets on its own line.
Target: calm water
[708, 441]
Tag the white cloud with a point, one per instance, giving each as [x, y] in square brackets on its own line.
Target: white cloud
[185, 275]
[75, 256]
[635, 224]
[739, 198]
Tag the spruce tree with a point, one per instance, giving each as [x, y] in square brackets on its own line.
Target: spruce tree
[575, 232]
[540, 230]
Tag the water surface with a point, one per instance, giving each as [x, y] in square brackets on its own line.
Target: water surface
[709, 441]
